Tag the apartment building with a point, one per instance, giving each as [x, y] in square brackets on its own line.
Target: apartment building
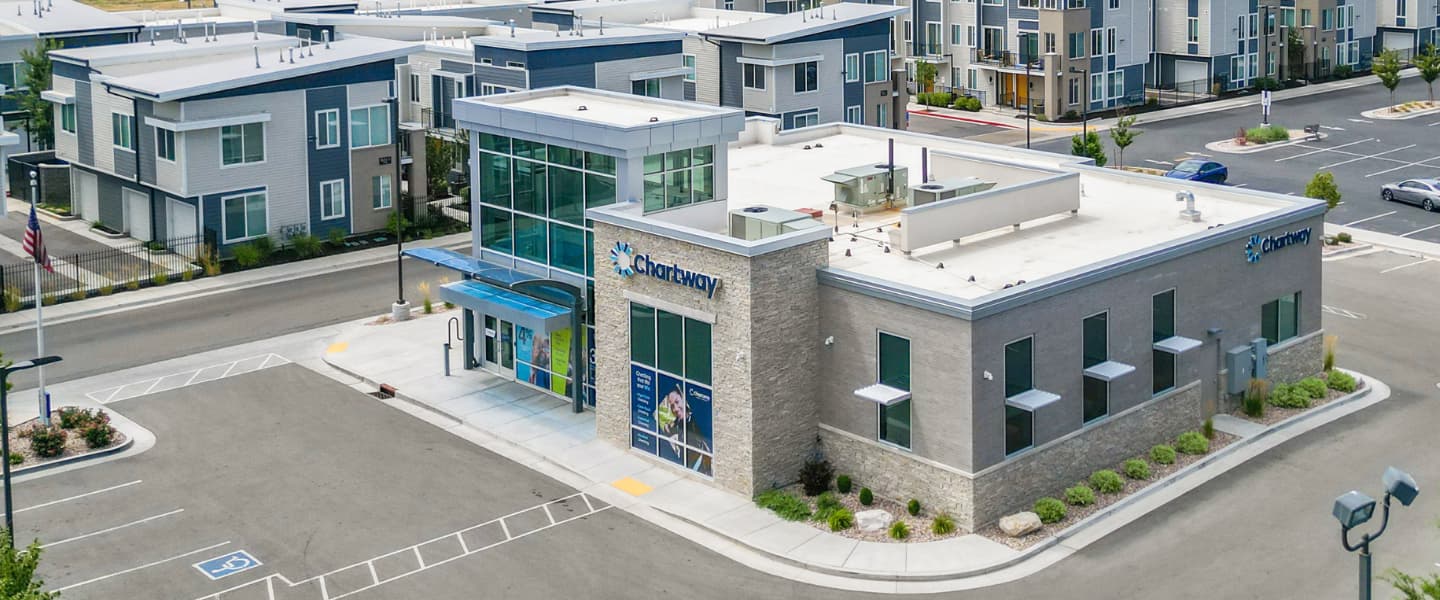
[231, 137]
[1407, 26]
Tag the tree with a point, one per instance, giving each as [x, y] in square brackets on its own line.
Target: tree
[1429, 64]
[1294, 53]
[1088, 146]
[1387, 68]
[1122, 135]
[17, 572]
[1412, 587]
[39, 112]
[925, 76]
[1322, 187]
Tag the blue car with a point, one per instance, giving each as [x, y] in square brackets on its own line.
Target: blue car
[1199, 169]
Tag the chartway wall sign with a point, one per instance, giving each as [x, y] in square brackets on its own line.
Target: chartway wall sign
[1259, 245]
[627, 263]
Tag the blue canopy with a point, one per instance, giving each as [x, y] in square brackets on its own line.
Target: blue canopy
[508, 305]
[469, 265]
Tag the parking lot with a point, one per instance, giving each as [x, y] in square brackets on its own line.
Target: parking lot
[1362, 153]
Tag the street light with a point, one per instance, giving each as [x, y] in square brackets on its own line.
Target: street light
[5, 434]
[1354, 508]
[1085, 96]
[399, 311]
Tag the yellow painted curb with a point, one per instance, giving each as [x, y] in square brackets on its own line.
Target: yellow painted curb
[337, 347]
[631, 486]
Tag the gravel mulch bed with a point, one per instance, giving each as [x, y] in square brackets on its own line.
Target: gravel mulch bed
[74, 443]
[919, 525]
[1275, 414]
[1075, 514]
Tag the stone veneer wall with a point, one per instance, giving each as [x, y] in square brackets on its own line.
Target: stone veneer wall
[1297, 358]
[900, 475]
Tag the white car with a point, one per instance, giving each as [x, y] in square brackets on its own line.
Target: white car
[1424, 193]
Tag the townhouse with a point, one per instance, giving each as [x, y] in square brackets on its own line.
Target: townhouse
[1406, 26]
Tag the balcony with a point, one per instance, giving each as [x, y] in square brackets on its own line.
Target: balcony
[1005, 59]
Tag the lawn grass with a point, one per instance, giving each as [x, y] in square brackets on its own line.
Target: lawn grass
[122, 5]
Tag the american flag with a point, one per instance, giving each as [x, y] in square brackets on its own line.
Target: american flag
[35, 244]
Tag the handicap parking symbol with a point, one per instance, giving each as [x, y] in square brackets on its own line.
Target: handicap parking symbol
[229, 564]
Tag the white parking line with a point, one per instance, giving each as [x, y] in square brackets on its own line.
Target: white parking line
[187, 378]
[1335, 310]
[1418, 262]
[144, 566]
[1160, 162]
[110, 529]
[78, 496]
[1418, 163]
[1433, 124]
[1420, 230]
[1358, 158]
[1239, 185]
[1319, 150]
[1369, 218]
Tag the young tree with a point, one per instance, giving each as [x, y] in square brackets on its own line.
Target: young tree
[1294, 53]
[1322, 187]
[1429, 64]
[17, 572]
[1088, 146]
[1122, 135]
[1387, 69]
[39, 112]
[925, 76]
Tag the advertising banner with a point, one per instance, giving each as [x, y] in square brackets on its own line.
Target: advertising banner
[699, 428]
[559, 360]
[642, 398]
[524, 345]
[671, 414]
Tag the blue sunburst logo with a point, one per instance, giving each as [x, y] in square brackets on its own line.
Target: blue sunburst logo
[622, 259]
[1253, 249]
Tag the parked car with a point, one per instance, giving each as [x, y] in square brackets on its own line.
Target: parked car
[1199, 169]
[1424, 193]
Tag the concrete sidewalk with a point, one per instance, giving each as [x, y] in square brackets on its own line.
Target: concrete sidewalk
[1403, 245]
[541, 431]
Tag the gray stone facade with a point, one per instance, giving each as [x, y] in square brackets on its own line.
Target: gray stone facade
[895, 473]
[1298, 358]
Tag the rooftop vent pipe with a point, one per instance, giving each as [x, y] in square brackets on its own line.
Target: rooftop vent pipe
[292, 55]
[602, 25]
[325, 35]
[255, 28]
[512, 28]
[924, 165]
[1189, 198]
[257, 56]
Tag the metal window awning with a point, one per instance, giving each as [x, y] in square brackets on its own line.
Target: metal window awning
[659, 73]
[1109, 370]
[57, 97]
[1032, 400]
[778, 62]
[508, 305]
[882, 394]
[1177, 345]
[200, 124]
[469, 265]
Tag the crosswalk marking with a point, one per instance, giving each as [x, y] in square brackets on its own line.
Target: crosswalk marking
[187, 378]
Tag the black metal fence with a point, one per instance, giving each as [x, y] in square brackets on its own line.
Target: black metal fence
[126, 267]
[1181, 93]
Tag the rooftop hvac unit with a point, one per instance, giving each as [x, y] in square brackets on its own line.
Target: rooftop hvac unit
[936, 191]
[760, 222]
[868, 188]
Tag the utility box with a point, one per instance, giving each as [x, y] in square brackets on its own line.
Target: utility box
[1239, 368]
[1261, 349]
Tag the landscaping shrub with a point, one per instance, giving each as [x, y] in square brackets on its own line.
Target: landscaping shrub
[160, 278]
[1137, 469]
[1163, 455]
[1289, 396]
[912, 507]
[1342, 71]
[967, 103]
[247, 255]
[1314, 386]
[306, 245]
[943, 524]
[786, 506]
[1266, 134]
[1340, 381]
[47, 441]
[899, 530]
[187, 274]
[842, 483]
[12, 298]
[1050, 510]
[336, 237]
[99, 435]
[1255, 398]
[1107, 481]
[1071, 114]
[935, 98]
[1208, 429]
[866, 496]
[825, 506]
[1343, 237]
[1080, 495]
[72, 417]
[16, 458]
[841, 519]
[79, 294]
[1267, 83]
[1330, 343]
[815, 476]
[264, 246]
[1191, 442]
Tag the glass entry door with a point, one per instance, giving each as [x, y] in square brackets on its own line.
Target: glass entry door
[499, 350]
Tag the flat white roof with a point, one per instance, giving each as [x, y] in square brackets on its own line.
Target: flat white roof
[1119, 212]
[807, 22]
[521, 38]
[59, 17]
[623, 110]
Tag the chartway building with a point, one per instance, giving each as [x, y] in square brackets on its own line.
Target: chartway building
[970, 324]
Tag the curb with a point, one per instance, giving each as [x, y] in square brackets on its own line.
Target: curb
[1077, 528]
[69, 460]
[964, 119]
[1353, 249]
[1215, 145]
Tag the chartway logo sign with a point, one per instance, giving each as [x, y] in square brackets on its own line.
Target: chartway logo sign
[626, 263]
[1259, 246]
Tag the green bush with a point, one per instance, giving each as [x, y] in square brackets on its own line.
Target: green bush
[786, 506]
[1137, 469]
[1313, 386]
[16, 458]
[1050, 510]
[306, 245]
[1191, 442]
[1342, 71]
[967, 103]
[842, 483]
[866, 496]
[899, 530]
[264, 246]
[912, 507]
[1289, 396]
[47, 441]
[825, 506]
[1343, 237]
[336, 237]
[1267, 134]
[841, 519]
[99, 435]
[943, 524]
[1255, 398]
[1071, 114]
[1107, 481]
[1080, 495]
[1340, 381]
[160, 278]
[935, 98]
[1163, 455]
[1267, 83]
[74, 417]
[247, 255]
[815, 475]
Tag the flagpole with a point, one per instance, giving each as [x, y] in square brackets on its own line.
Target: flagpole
[39, 320]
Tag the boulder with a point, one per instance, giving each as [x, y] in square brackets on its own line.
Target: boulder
[1020, 524]
[873, 520]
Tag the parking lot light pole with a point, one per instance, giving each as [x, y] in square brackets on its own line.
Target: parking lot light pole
[1085, 98]
[1353, 509]
[5, 372]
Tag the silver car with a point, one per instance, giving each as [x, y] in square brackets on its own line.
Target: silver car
[1424, 193]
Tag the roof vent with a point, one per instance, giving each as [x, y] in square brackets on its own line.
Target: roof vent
[807, 147]
[583, 107]
[654, 119]
[754, 209]
[819, 145]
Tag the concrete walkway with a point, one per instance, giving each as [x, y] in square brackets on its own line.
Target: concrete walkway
[541, 431]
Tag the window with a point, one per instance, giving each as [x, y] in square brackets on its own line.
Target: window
[67, 118]
[882, 115]
[1094, 350]
[688, 61]
[122, 129]
[908, 30]
[369, 126]
[754, 76]
[807, 119]
[1074, 91]
[1192, 30]
[1097, 86]
[1110, 40]
[164, 144]
[893, 358]
[1304, 17]
[327, 128]
[414, 87]
[679, 178]
[957, 35]
[332, 199]
[510, 64]
[852, 68]
[1028, 3]
[970, 36]
[646, 87]
[1075, 44]
[1117, 84]
[244, 217]
[1269, 24]
[1162, 325]
[1114, 4]
[1253, 65]
[1237, 69]
[1097, 42]
[854, 114]
[670, 397]
[807, 77]
[1254, 24]
[1096, 401]
[1270, 64]
[1049, 42]
[933, 38]
[1325, 21]
[1280, 319]
[877, 66]
[1019, 378]
[242, 144]
[381, 194]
